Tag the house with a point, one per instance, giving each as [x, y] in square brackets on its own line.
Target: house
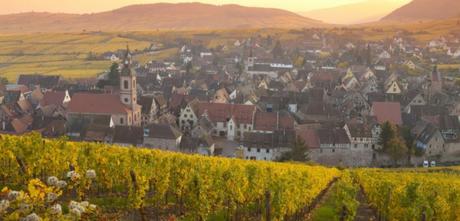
[431, 141]
[128, 136]
[56, 98]
[149, 109]
[415, 99]
[360, 136]
[122, 107]
[203, 146]
[230, 120]
[269, 147]
[163, 137]
[44, 81]
[270, 122]
[387, 112]
[96, 128]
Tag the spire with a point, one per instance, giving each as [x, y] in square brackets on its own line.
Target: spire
[126, 67]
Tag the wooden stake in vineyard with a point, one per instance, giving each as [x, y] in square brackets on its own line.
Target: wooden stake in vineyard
[267, 206]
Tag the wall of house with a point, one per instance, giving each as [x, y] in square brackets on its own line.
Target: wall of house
[342, 156]
[187, 119]
[435, 146]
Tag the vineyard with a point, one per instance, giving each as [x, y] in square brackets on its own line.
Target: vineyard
[192, 187]
[63, 180]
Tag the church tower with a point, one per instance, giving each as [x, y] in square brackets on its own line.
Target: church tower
[128, 91]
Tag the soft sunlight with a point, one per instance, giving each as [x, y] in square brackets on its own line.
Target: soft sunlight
[87, 6]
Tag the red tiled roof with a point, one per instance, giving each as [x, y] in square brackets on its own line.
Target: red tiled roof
[217, 112]
[273, 121]
[53, 97]
[309, 136]
[97, 104]
[387, 111]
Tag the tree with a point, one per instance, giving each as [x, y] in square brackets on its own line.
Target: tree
[299, 152]
[388, 131]
[114, 75]
[396, 149]
[4, 81]
[393, 143]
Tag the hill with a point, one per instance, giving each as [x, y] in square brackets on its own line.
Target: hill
[182, 16]
[425, 10]
[131, 183]
[347, 14]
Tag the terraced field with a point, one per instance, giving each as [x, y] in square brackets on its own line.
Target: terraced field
[62, 54]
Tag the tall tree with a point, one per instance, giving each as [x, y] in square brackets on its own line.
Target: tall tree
[388, 131]
[114, 75]
[299, 152]
[396, 149]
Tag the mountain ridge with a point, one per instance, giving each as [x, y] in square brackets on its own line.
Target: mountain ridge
[355, 13]
[139, 17]
[418, 10]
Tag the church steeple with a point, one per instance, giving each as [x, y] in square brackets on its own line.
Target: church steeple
[127, 62]
[128, 91]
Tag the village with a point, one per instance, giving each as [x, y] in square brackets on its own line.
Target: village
[258, 99]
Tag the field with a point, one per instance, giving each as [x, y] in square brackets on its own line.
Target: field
[63, 54]
[120, 183]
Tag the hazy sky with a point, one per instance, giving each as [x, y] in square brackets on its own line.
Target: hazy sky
[86, 6]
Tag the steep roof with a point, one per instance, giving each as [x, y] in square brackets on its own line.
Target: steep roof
[387, 111]
[242, 114]
[163, 131]
[270, 121]
[333, 136]
[53, 97]
[96, 104]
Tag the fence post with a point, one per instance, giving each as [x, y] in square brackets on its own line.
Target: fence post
[267, 206]
[423, 215]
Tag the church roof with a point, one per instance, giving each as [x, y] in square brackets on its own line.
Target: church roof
[97, 104]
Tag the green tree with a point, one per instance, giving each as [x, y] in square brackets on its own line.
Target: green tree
[396, 149]
[388, 132]
[4, 81]
[114, 75]
[393, 143]
[299, 152]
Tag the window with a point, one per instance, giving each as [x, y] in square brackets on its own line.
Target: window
[122, 121]
[333, 150]
[125, 84]
[356, 145]
[249, 149]
[126, 100]
[268, 150]
[258, 150]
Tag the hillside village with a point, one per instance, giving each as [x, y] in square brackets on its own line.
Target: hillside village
[258, 98]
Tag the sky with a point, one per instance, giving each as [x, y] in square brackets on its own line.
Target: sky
[89, 6]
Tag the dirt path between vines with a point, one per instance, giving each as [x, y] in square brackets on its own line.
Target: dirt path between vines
[364, 212]
[320, 200]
